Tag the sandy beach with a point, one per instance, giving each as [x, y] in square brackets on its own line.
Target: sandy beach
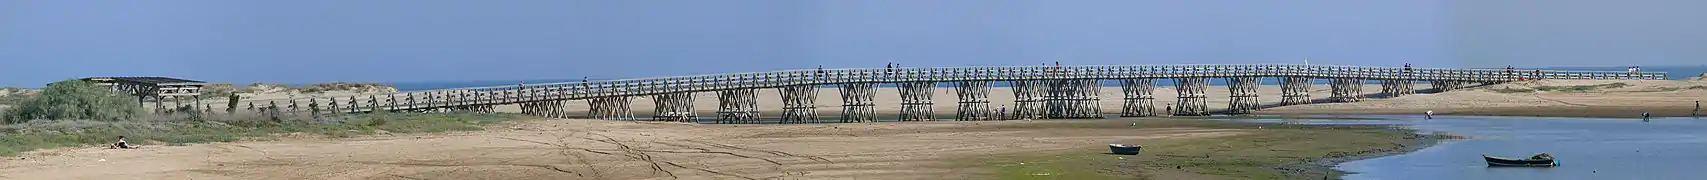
[1629, 100]
[598, 149]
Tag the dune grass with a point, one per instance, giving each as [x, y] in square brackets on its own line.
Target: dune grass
[1581, 88]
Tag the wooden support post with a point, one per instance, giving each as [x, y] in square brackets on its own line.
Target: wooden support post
[1139, 98]
[1294, 90]
[676, 107]
[1192, 101]
[799, 104]
[1244, 95]
[974, 99]
[1347, 89]
[857, 103]
[738, 106]
[313, 107]
[916, 100]
[1029, 99]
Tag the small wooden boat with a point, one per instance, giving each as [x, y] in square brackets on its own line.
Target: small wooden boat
[1548, 161]
[1124, 149]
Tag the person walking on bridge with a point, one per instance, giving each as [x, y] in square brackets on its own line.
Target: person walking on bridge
[889, 68]
[820, 70]
[1509, 72]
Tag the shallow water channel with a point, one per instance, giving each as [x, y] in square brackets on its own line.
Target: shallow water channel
[1587, 148]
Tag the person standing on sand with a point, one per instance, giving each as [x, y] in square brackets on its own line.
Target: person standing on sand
[1002, 112]
[1170, 109]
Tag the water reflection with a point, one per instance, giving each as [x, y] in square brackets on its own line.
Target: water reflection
[1588, 148]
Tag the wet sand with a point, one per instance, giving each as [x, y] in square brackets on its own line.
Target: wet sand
[600, 149]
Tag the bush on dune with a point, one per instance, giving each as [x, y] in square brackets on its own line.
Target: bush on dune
[74, 99]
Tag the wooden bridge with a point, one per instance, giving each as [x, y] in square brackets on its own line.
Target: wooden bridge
[1040, 92]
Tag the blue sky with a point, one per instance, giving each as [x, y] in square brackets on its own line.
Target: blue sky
[441, 40]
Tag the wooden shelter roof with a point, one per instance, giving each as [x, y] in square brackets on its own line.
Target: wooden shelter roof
[146, 80]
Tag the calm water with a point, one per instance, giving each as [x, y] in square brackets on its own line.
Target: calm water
[1587, 148]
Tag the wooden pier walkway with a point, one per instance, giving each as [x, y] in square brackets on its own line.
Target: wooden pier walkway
[1040, 92]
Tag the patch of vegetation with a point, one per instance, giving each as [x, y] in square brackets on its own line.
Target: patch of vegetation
[1668, 89]
[1582, 88]
[1283, 117]
[17, 138]
[73, 99]
[221, 90]
[12, 95]
[340, 86]
[1509, 90]
[1268, 151]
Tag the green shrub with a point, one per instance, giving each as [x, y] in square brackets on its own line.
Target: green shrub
[1582, 88]
[338, 86]
[74, 99]
[1510, 90]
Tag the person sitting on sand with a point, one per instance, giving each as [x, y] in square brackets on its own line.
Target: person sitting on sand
[121, 144]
